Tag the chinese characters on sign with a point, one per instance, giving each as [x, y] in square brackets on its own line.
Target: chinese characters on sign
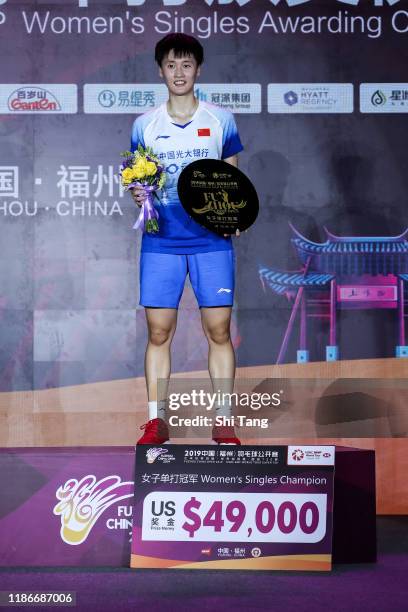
[76, 181]
[364, 293]
[9, 181]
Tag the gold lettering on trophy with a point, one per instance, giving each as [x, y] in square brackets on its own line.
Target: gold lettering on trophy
[218, 203]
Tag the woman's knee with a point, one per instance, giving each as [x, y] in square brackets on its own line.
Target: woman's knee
[218, 334]
[160, 335]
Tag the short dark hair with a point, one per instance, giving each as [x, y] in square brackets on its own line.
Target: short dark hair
[181, 44]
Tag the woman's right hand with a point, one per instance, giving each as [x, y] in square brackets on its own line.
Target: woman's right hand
[138, 195]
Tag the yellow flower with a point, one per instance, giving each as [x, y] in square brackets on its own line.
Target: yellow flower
[140, 163]
[139, 168]
[138, 174]
[150, 168]
[127, 176]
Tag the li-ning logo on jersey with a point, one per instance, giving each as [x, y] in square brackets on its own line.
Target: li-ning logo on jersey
[224, 290]
[158, 137]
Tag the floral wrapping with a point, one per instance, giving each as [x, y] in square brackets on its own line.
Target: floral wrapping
[143, 169]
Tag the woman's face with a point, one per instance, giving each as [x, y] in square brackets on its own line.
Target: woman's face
[179, 73]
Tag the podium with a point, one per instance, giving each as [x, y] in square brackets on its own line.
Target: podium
[252, 507]
[72, 506]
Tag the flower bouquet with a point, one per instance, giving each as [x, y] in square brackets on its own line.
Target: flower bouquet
[142, 169]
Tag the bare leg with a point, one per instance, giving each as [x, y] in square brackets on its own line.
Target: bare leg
[161, 325]
[221, 357]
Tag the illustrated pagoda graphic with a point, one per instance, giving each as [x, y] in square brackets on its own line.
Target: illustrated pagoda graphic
[341, 273]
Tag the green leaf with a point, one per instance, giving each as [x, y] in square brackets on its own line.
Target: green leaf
[152, 227]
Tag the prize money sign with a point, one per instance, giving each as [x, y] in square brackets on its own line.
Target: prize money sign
[255, 507]
[251, 517]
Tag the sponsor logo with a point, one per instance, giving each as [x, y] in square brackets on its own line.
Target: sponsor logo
[204, 132]
[298, 454]
[291, 98]
[81, 503]
[378, 98]
[153, 453]
[399, 97]
[310, 98]
[311, 455]
[236, 97]
[384, 97]
[256, 552]
[161, 454]
[123, 98]
[33, 99]
[140, 97]
[44, 98]
[200, 94]
[206, 551]
[222, 290]
[107, 98]
[158, 137]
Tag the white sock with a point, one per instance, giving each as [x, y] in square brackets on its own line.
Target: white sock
[157, 409]
[223, 409]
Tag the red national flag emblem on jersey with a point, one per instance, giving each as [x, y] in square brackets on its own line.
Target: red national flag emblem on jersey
[204, 132]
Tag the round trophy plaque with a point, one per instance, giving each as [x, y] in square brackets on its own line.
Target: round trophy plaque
[218, 196]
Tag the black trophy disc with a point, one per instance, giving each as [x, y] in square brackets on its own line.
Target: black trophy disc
[218, 196]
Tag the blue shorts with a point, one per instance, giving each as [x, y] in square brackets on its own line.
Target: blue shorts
[162, 278]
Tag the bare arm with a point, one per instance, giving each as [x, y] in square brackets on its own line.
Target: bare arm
[233, 160]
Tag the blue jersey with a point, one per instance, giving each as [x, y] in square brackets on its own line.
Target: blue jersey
[212, 133]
